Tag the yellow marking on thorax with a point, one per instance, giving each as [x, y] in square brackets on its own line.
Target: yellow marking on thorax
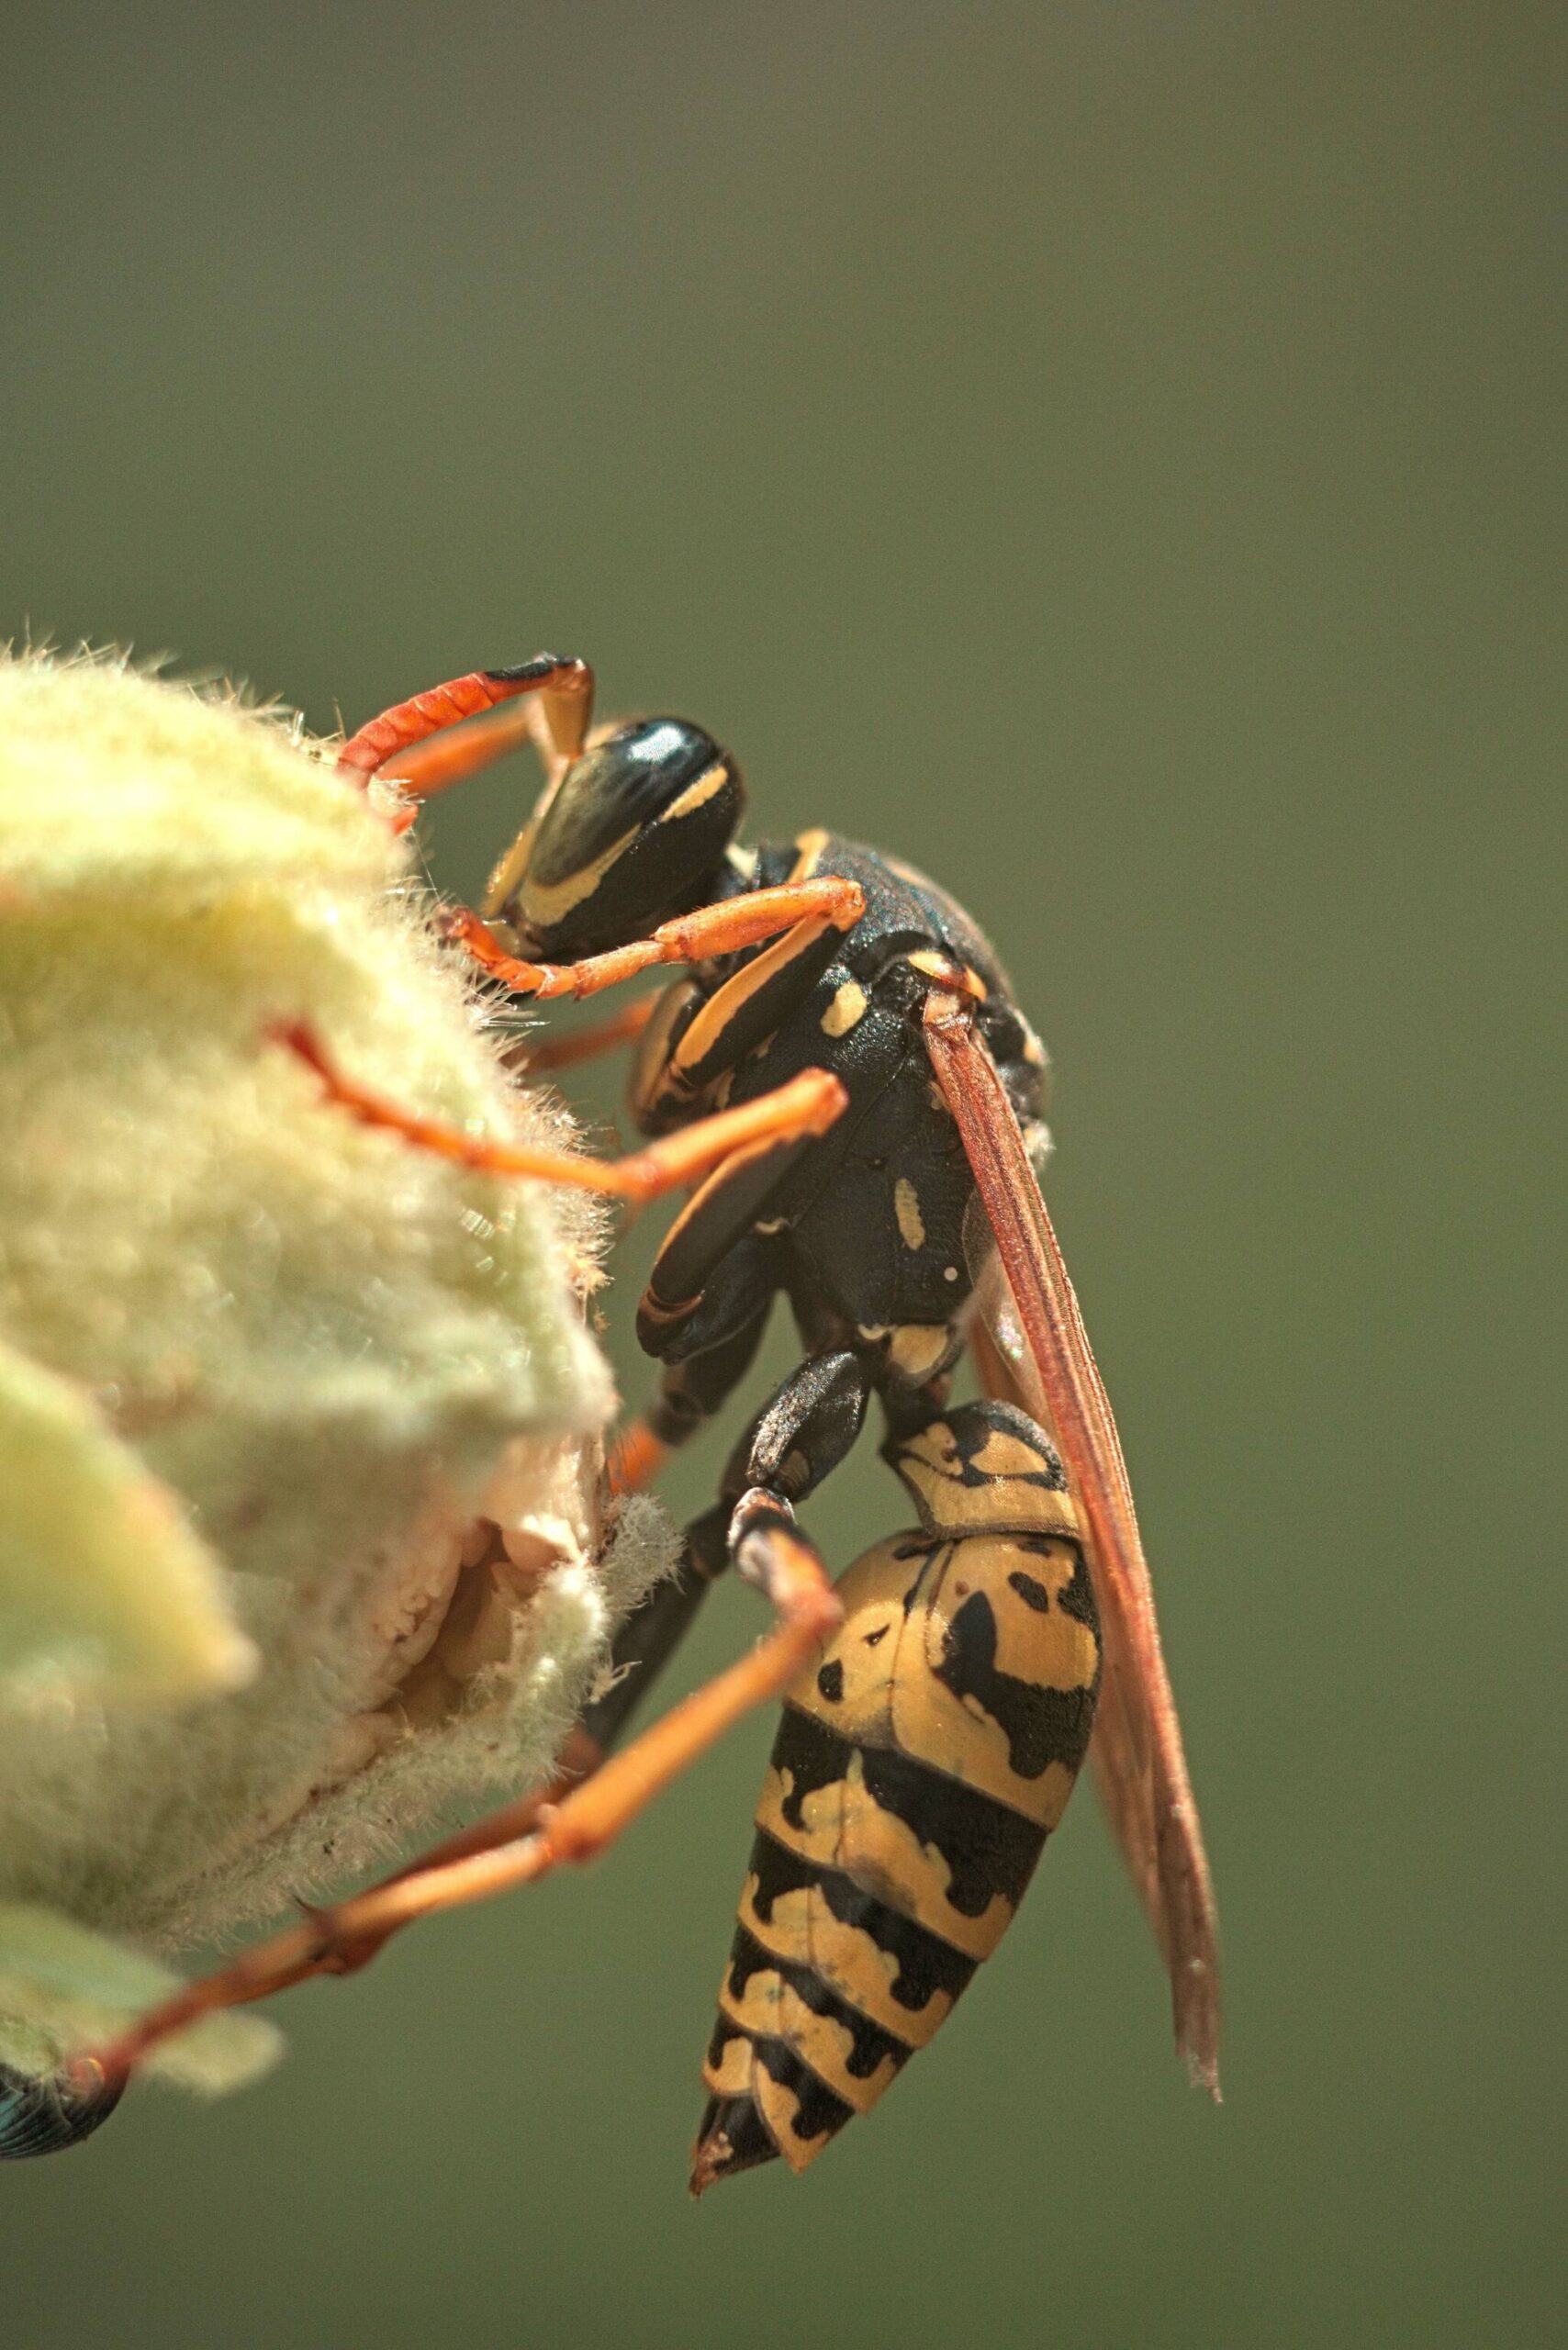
[906, 1207]
[848, 1006]
[809, 847]
[935, 965]
[502, 883]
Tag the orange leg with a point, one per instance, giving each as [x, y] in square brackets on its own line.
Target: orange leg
[635, 1459]
[696, 937]
[769, 1552]
[564, 687]
[534, 1055]
[808, 1104]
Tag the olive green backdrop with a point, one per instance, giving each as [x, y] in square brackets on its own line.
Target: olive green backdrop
[1111, 454]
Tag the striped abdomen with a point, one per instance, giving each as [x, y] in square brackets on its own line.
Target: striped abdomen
[919, 1767]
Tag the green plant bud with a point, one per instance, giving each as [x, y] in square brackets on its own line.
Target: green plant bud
[299, 1425]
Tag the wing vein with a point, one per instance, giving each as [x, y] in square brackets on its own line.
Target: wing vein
[1136, 1747]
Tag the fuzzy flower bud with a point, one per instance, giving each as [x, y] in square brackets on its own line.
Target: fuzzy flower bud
[299, 1424]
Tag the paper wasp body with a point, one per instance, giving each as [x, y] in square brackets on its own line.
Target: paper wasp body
[844, 1075]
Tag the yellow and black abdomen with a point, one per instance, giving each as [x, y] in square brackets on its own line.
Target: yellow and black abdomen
[919, 1767]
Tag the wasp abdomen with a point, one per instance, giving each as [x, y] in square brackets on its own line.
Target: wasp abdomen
[919, 1767]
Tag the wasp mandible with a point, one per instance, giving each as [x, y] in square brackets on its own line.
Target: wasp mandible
[843, 1075]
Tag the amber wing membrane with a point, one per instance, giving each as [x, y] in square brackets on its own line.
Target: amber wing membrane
[1047, 1362]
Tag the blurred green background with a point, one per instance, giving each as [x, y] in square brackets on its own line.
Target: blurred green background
[1111, 454]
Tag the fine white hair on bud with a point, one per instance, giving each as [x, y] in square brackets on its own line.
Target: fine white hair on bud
[299, 1426]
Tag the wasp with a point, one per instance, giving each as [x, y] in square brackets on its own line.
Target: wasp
[843, 1082]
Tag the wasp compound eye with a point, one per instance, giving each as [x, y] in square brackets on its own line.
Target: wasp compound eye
[45, 2116]
[635, 833]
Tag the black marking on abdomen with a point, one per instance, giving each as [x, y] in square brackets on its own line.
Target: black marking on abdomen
[870, 2044]
[1042, 1726]
[988, 1847]
[819, 2113]
[926, 1965]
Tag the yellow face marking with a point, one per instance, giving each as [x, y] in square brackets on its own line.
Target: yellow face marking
[916, 1348]
[502, 883]
[543, 905]
[843, 1828]
[802, 1927]
[848, 1006]
[906, 1207]
[809, 847]
[696, 794]
[773, 2009]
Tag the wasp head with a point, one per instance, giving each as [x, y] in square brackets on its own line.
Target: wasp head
[634, 833]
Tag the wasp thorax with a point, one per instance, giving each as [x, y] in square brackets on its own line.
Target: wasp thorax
[635, 834]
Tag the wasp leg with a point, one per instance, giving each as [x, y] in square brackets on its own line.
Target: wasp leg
[697, 937]
[641, 1648]
[717, 1033]
[768, 1552]
[539, 1056]
[807, 1106]
[563, 684]
[804, 1433]
[805, 1430]
[708, 1344]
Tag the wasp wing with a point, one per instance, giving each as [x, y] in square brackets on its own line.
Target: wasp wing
[1042, 1353]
